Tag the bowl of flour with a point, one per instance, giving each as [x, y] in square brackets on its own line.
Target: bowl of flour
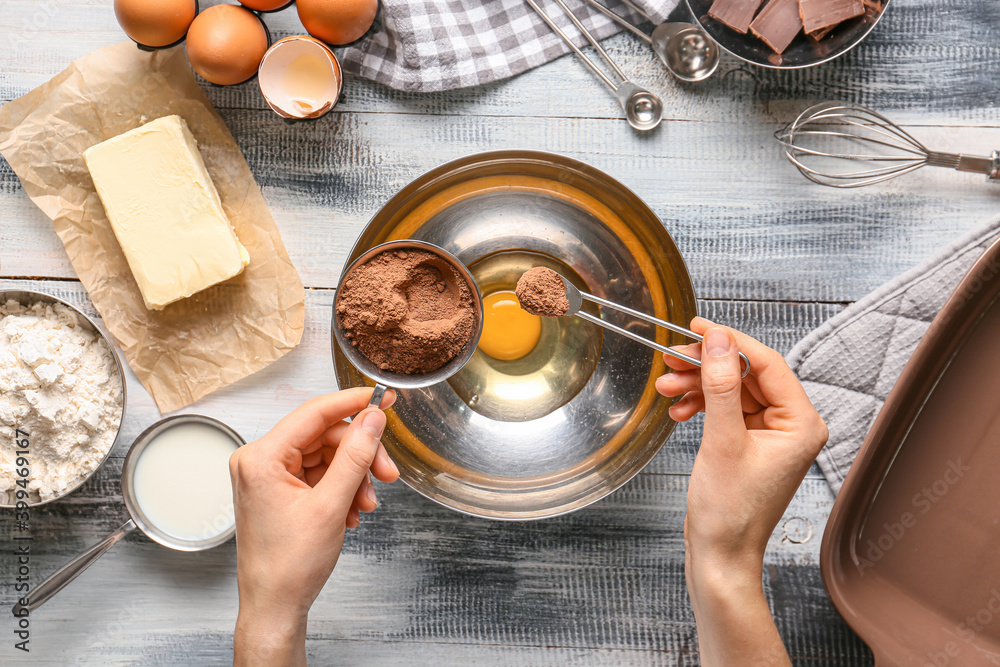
[62, 401]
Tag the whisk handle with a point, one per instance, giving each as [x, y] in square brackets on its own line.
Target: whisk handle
[994, 175]
[975, 164]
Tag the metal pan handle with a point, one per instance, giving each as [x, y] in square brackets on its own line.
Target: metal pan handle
[58, 580]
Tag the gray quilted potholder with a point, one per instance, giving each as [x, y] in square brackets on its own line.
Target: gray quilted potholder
[849, 364]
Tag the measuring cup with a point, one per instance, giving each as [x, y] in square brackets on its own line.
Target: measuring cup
[56, 581]
[386, 379]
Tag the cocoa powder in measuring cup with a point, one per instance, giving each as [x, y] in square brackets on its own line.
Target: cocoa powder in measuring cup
[408, 311]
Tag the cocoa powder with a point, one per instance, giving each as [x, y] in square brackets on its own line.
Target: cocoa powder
[407, 311]
[541, 291]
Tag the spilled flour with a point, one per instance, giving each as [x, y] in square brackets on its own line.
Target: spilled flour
[60, 384]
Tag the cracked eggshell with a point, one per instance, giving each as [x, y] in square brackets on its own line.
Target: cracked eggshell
[300, 78]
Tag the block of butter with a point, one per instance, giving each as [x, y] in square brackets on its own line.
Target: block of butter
[165, 211]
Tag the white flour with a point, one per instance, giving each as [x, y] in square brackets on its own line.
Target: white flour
[59, 383]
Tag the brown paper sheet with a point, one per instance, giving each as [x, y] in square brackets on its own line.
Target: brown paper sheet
[196, 345]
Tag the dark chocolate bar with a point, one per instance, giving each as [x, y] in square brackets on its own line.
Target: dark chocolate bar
[737, 14]
[819, 14]
[778, 24]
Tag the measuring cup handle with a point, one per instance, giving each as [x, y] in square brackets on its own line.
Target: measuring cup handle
[377, 394]
[58, 580]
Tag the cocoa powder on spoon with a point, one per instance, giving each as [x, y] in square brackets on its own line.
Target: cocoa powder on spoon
[541, 291]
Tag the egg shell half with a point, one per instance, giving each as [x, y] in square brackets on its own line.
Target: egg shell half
[278, 83]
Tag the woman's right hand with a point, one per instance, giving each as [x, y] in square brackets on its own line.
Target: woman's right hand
[761, 435]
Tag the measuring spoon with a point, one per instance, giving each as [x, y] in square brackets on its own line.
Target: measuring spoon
[684, 48]
[576, 298]
[643, 109]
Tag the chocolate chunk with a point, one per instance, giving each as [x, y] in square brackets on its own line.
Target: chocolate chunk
[778, 24]
[737, 14]
[820, 34]
[819, 14]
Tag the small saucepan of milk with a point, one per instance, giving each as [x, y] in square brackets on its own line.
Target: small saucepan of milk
[176, 486]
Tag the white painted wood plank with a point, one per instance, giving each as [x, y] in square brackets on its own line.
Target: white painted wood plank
[919, 44]
[747, 223]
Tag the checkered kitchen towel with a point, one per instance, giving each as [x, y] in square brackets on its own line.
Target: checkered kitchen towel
[429, 45]
[849, 364]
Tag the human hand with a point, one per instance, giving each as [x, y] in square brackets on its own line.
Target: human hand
[295, 492]
[761, 435]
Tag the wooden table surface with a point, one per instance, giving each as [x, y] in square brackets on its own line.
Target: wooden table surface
[419, 584]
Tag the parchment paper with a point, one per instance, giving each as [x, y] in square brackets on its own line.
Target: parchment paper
[196, 345]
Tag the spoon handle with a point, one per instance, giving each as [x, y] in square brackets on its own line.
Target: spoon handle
[377, 394]
[58, 580]
[651, 320]
[637, 9]
[583, 315]
[621, 21]
[586, 33]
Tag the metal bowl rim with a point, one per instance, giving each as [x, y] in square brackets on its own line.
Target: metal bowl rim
[44, 297]
[128, 466]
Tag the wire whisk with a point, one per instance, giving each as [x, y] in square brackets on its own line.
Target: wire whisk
[827, 140]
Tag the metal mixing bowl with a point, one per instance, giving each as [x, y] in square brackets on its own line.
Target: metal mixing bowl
[577, 417]
[29, 297]
[803, 52]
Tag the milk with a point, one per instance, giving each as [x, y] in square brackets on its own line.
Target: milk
[181, 481]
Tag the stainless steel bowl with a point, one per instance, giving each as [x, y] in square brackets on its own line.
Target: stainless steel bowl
[577, 417]
[29, 297]
[803, 52]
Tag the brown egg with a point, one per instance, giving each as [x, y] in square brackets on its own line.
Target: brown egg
[225, 44]
[265, 5]
[337, 21]
[155, 22]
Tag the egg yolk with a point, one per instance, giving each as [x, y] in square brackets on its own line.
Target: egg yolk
[508, 331]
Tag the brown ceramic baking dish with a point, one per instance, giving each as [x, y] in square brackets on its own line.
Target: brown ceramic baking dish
[911, 553]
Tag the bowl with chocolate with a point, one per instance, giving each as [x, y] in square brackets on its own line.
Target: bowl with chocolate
[545, 415]
[787, 34]
[407, 314]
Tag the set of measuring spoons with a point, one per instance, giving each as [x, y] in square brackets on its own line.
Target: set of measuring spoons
[684, 48]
